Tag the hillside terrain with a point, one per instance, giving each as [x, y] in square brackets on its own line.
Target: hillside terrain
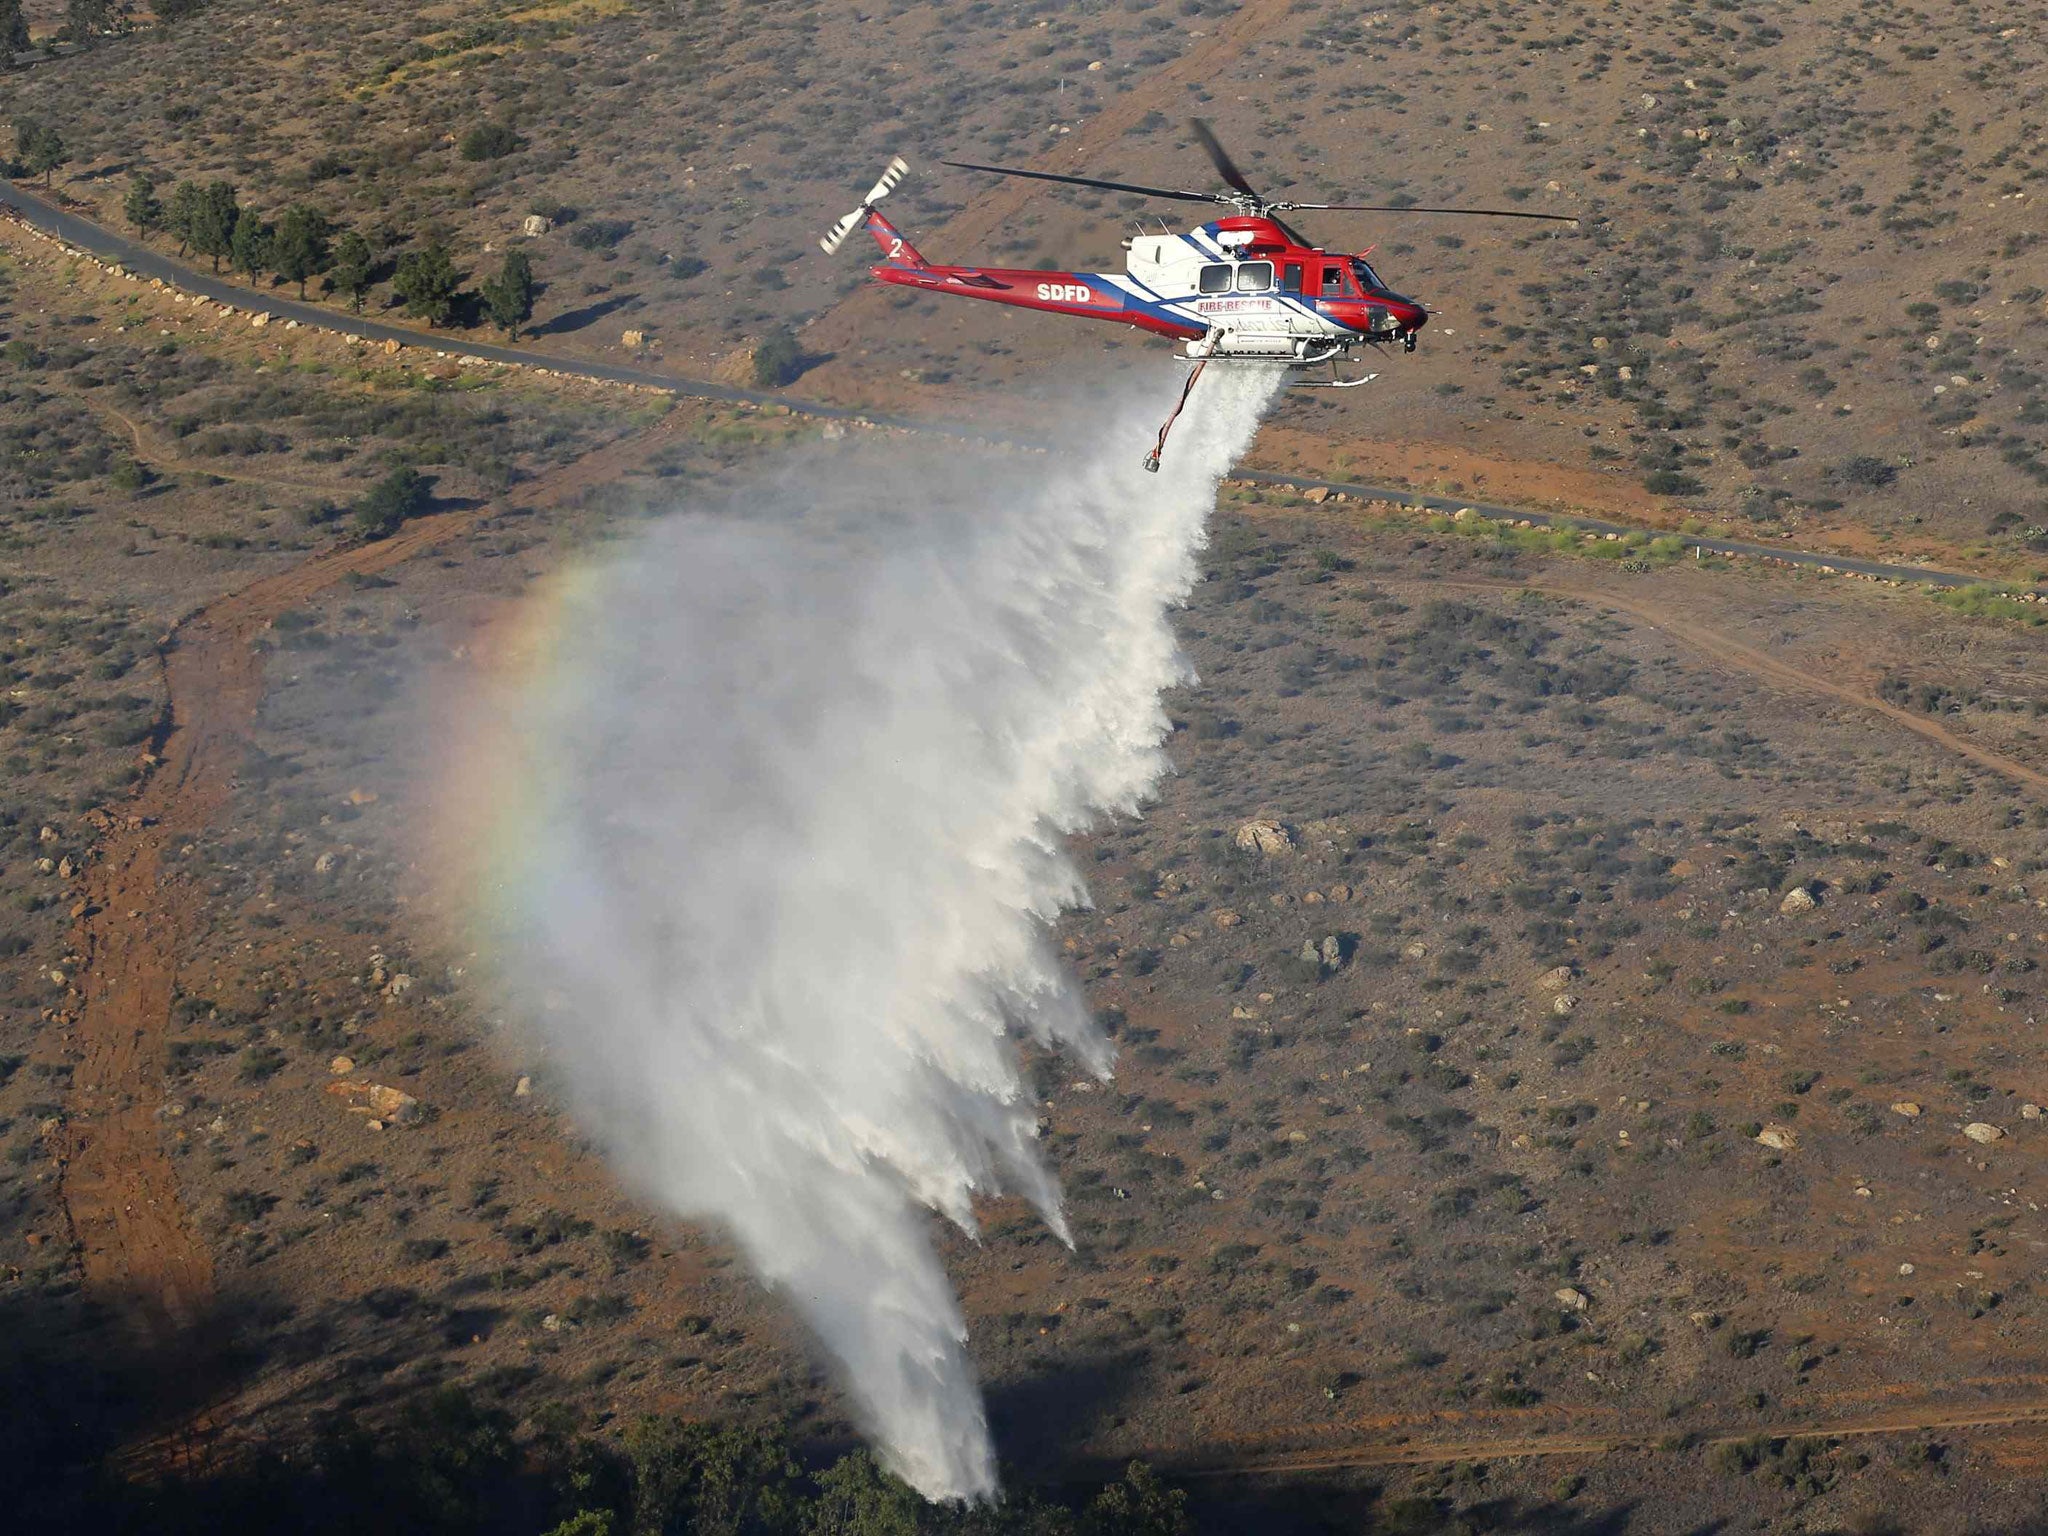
[1805, 293]
[1573, 1011]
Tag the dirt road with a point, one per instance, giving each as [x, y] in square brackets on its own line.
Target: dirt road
[38, 213]
[1740, 658]
[136, 1244]
[1510, 1444]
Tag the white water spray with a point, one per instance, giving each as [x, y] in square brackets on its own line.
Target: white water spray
[800, 788]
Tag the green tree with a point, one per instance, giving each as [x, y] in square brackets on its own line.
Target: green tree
[214, 220]
[13, 32]
[427, 281]
[508, 297]
[778, 360]
[181, 217]
[142, 207]
[399, 496]
[857, 1498]
[88, 19]
[39, 148]
[1140, 1505]
[354, 262]
[301, 249]
[706, 1480]
[251, 243]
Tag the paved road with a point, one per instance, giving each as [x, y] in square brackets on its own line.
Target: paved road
[140, 258]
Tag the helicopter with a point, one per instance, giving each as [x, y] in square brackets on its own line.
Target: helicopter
[1245, 287]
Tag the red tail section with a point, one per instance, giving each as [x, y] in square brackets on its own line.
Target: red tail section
[894, 247]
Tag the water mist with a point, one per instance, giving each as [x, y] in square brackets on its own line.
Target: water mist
[795, 787]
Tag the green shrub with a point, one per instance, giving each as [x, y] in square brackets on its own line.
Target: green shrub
[400, 495]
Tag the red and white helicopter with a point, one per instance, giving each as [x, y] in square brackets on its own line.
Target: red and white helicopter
[1245, 287]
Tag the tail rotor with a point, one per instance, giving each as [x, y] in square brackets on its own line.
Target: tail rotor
[890, 180]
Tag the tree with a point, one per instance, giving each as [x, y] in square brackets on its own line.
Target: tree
[400, 495]
[142, 207]
[170, 12]
[39, 148]
[508, 297]
[13, 32]
[250, 244]
[214, 220]
[354, 261]
[181, 218]
[87, 19]
[301, 249]
[857, 1498]
[427, 281]
[1140, 1505]
[710, 1480]
[778, 360]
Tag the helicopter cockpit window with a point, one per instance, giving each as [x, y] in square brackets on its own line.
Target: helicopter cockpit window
[1215, 279]
[1255, 277]
[1333, 281]
[1368, 279]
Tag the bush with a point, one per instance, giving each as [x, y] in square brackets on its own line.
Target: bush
[1867, 470]
[400, 495]
[600, 234]
[778, 360]
[490, 141]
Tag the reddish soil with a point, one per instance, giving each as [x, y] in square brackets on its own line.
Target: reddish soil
[136, 1247]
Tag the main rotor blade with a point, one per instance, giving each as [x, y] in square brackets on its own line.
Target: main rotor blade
[1090, 181]
[1225, 166]
[1475, 213]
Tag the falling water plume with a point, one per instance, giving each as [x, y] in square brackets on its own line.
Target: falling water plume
[794, 781]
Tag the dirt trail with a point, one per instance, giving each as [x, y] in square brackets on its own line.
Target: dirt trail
[1511, 1445]
[1741, 658]
[163, 457]
[137, 1248]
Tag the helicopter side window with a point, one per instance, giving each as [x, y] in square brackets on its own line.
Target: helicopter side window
[1255, 277]
[1333, 281]
[1215, 279]
[1290, 277]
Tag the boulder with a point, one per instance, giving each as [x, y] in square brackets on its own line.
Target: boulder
[1226, 919]
[1264, 837]
[1978, 1131]
[534, 226]
[1318, 494]
[1798, 899]
[1332, 951]
[1778, 1138]
[1576, 1300]
[2030, 1111]
[1563, 1004]
[387, 1106]
[1555, 980]
[633, 340]
[1907, 1108]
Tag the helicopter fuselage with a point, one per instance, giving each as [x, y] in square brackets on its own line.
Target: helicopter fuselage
[1243, 286]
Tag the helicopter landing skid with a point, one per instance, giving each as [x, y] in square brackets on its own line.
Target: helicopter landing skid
[1332, 382]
